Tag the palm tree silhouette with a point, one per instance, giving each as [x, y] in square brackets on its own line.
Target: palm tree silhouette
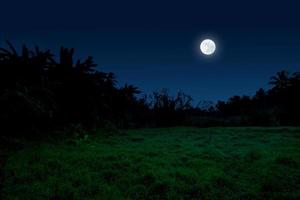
[281, 80]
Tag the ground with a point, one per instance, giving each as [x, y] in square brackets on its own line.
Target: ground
[164, 163]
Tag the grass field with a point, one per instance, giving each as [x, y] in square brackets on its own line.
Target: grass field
[166, 163]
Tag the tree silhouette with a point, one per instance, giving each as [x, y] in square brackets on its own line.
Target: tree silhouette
[281, 80]
[39, 92]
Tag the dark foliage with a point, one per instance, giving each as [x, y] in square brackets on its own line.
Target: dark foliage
[170, 110]
[277, 106]
[39, 93]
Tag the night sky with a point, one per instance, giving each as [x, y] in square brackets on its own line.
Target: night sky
[155, 45]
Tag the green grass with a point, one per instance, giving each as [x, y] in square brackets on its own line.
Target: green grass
[166, 163]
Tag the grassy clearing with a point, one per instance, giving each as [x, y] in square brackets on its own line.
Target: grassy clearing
[167, 163]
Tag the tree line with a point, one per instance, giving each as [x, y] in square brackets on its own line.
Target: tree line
[278, 105]
[40, 92]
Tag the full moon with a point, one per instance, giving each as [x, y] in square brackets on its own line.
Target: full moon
[208, 47]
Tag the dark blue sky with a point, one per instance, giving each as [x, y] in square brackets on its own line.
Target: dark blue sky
[156, 44]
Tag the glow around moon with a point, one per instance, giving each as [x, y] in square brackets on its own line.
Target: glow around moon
[208, 47]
